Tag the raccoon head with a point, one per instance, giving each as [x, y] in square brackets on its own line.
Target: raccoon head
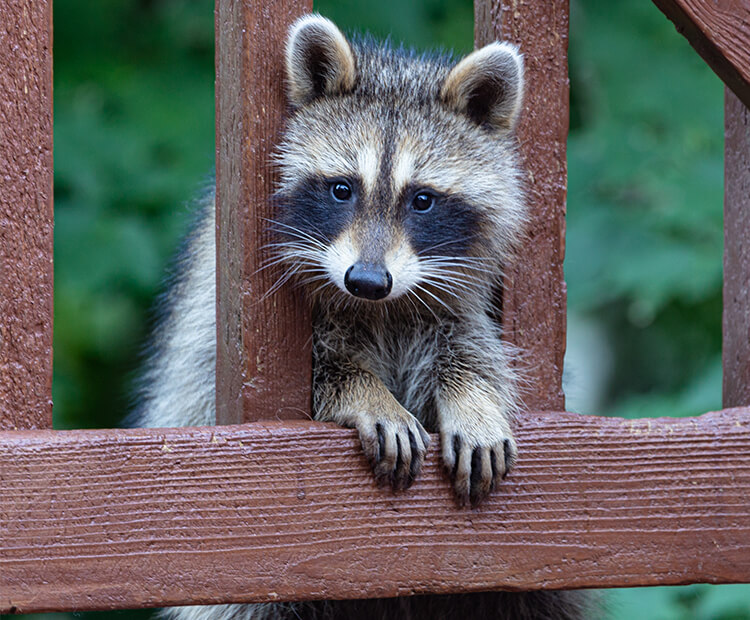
[398, 173]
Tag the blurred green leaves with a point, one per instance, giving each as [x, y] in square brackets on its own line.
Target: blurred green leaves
[134, 135]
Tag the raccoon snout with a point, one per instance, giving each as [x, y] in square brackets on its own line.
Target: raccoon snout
[368, 280]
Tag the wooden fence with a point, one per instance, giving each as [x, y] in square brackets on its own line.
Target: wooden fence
[281, 510]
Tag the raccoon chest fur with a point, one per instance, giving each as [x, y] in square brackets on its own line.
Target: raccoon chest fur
[406, 355]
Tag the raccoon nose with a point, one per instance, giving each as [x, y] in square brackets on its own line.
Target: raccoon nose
[368, 280]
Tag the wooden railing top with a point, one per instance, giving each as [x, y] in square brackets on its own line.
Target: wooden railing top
[272, 511]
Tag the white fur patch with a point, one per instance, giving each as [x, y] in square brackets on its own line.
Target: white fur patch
[367, 161]
[403, 265]
[403, 170]
[339, 257]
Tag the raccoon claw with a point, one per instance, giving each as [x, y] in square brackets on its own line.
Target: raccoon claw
[395, 450]
[475, 469]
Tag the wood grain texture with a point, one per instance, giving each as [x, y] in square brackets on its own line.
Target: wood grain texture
[736, 319]
[264, 356]
[719, 30]
[271, 511]
[25, 214]
[535, 297]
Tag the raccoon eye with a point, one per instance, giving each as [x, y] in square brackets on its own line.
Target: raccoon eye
[422, 202]
[341, 191]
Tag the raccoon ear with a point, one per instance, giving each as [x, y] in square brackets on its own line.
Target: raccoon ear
[319, 60]
[487, 86]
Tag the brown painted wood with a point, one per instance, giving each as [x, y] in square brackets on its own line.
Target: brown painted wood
[534, 299]
[719, 30]
[736, 320]
[264, 359]
[271, 511]
[25, 214]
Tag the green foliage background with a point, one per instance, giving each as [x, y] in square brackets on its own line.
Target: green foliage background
[134, 135]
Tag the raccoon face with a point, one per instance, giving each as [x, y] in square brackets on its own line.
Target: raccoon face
[399, 177]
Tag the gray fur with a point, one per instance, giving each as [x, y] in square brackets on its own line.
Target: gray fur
[389, 125]
[178, 387]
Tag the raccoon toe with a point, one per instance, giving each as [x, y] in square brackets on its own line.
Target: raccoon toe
[476, 470]
[395, 451]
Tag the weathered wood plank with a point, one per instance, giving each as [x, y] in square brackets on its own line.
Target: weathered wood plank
[719, 30]
[144, 517]
[264, 359]
[25, 214]
[534, 299]
[736, 319]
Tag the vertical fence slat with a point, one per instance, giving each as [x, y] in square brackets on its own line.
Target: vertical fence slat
[264, 360]
[736, 320]
[25, 214]
[534, 299]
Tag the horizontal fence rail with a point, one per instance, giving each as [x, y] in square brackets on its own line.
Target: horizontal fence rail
[272, 511]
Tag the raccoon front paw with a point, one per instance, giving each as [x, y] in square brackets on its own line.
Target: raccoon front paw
[476, 466]
[395, 444]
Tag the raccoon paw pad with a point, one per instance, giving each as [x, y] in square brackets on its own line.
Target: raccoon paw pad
[395, 451]
[476, 469]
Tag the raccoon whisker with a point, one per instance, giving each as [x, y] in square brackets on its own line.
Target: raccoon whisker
[290, 237]
[435, 297]
[467, 286]
[291, 255]
[414, 310]
[294, 260]
[275, 260]
[449, 242]
[424, 303]
[472, 259]
[449, 283]
[346, 302]
[446, 283]
[283, 279]
[297, 232]
[458, 262]
[444, 273]
[469, 281]
[299, 267]
[296, 236]
[296, 242]
[301, 246]
[452, 262]
[301, 255]
[321, 287]
[311, 279]
[461, 260]
[299, 249]
[441, 287]
[450, 275]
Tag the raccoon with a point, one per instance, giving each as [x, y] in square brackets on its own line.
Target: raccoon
[399, 201]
